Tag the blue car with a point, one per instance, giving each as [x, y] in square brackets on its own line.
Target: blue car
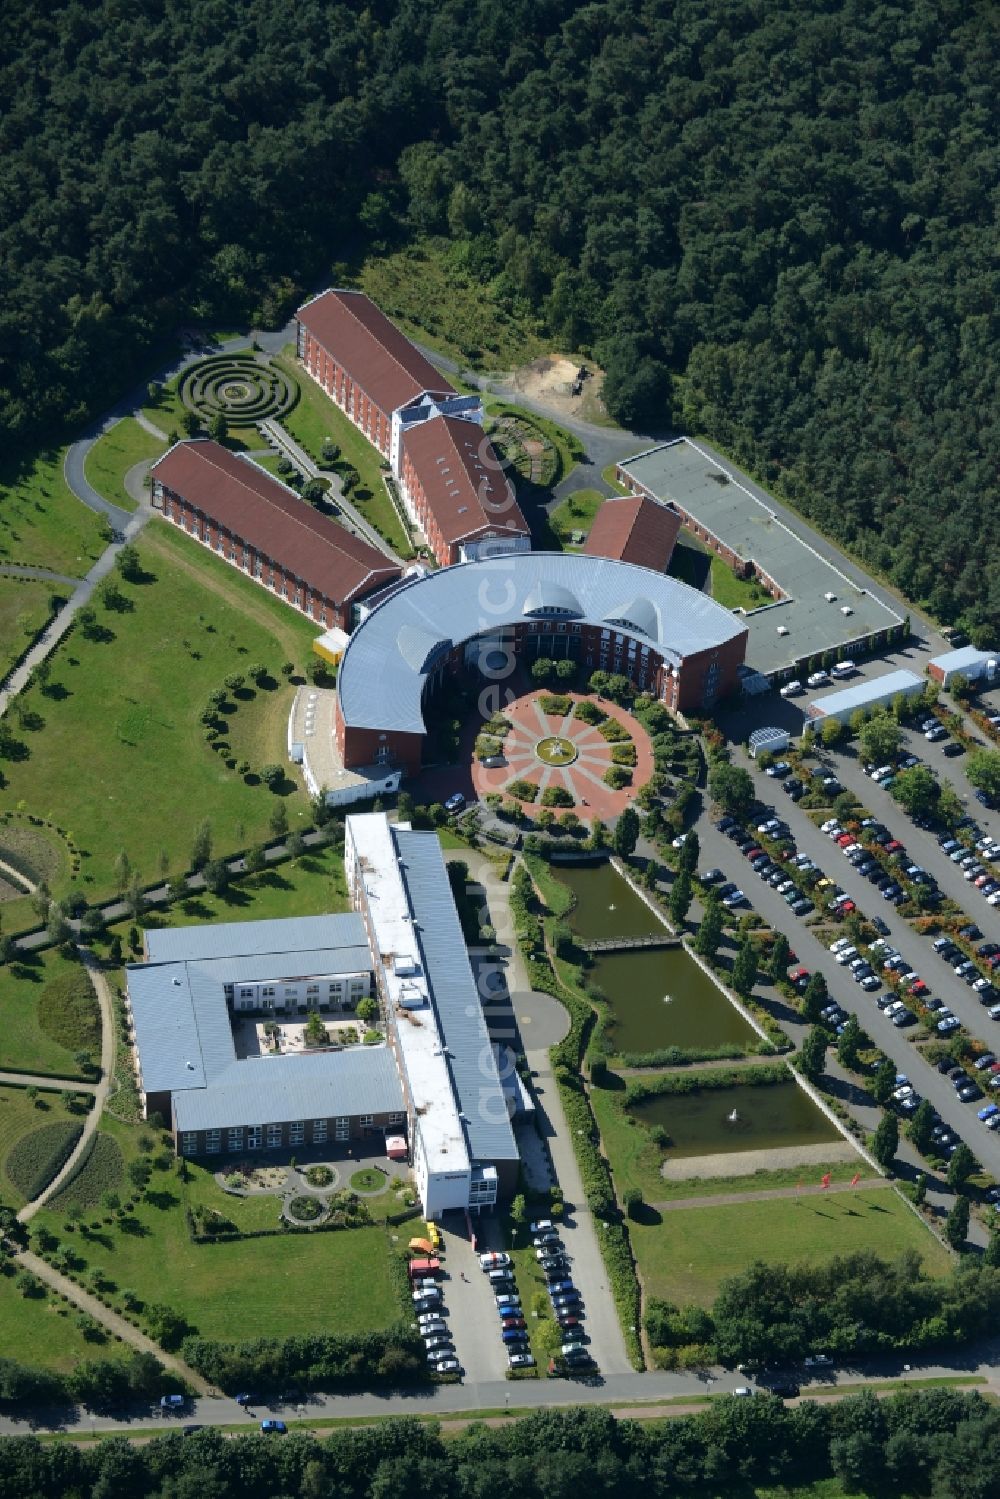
[272, 1425]
[559, 1287]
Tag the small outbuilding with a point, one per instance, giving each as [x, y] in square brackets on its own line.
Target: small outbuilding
[768, 741]
[879, 692]
[975, 666]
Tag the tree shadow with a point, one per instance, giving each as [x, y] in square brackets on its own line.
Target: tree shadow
[273, 880]
[161, 1199]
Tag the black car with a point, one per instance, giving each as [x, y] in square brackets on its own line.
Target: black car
[880, 926]
[785, 1389]
[971, 931]
[725, 823]
[952, 748]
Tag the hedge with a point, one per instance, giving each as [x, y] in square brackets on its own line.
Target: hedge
[679, 1056]
[35, 1159]
[765, 1074]
[99, 1170]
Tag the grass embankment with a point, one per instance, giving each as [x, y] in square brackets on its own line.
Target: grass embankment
[733, 592]
[432, 293]
[687, 1254]
[129, 708]
[115, 452]
[48, 1013]
[44, 1331]
[279, 1286]
[42, 523]
[24, 612]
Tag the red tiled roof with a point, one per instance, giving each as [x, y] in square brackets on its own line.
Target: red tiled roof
[636, 530]
[376, 355]
[253, 506]
[461, 475]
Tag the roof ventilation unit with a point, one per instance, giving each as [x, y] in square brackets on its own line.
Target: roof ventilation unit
[846, 609]
[782, 629]
[830, 597]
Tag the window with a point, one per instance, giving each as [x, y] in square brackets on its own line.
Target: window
[253, 1137]
[234, 1138]
[312, 988]
[319, 1131]
[291, 991]
[396, 1118]
[246, 993]
[336, 988]
[268, 991]
[189, 1142]
[273, 1135]
[213, 1141]
[297, 1132]
[367, 1120]
[343, 1129]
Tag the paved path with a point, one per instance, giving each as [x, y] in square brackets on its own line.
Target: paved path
[116, 1324]
[728, 1199]
[17, 878]
[297, 455]
[100, 1090]
[43, 1080]
[148, 426]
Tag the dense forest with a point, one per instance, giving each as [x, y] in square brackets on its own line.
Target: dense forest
[934, 1441]
[772, 223]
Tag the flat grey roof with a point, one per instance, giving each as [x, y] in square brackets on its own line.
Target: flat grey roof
[455, 997]
[877, 690]
[231, 939]
[967, 655]
[389, 655]
[728, 504]
[270, 1090]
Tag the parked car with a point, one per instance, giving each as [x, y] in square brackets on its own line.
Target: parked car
[518, 1360]
[269, 1424]
[455, 802]
[494, 1260]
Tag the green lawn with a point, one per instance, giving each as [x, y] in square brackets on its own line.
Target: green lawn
[688, 1253]
[42, 523]
[19, 1116]
[28, 1041]
[608, 474]
[736, 593]
[431, 294]
[576, 513]
[42, 1331]
[311, 886]
[129, 710]
[277, 1287]
[315, 417]
[114, 453]
[24, 611]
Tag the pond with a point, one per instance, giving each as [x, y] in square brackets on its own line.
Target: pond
[767, 1116]
[606, 904]
[660, 997]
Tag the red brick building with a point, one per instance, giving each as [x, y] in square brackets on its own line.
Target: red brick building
[456, 491]
[634, 529]
[258, 525]
[450, 478]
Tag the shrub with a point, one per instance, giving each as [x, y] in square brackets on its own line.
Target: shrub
[319, 1176]
[557, 796]
[613, 731]
[617, 777]
[523, 790]
[623, 754]
[555, 704]
[37, 1157]
[68, 1012]
[589, 712]
[305, 1209]
[103, 1171]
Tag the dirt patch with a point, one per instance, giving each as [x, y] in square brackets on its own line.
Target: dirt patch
[746, 1162]
[566, 387]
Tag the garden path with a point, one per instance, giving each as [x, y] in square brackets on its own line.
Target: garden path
[725, 1199]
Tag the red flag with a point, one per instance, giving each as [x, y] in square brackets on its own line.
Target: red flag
[825, 1182]
[855, 1178]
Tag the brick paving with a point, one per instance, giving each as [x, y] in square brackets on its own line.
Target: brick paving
[584, 778]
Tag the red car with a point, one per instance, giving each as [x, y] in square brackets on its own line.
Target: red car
[919, 987]
[509, 1323]
[845, 839]
[754, 853]
[846, 907]
[799, 977]
[893, 845]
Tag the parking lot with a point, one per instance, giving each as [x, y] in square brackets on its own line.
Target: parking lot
[814, 955]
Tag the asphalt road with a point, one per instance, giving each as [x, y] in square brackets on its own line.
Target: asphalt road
[815, 955]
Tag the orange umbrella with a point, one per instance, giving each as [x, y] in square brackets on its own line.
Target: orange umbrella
[422, 1246]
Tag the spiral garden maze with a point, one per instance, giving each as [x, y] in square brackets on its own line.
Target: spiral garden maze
[242, 388]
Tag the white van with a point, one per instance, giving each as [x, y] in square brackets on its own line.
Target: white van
[791, 689]
[843, 669]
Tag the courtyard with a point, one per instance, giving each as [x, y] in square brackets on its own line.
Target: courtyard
[555, 756]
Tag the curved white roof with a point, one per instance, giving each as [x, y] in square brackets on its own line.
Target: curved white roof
[385, 665]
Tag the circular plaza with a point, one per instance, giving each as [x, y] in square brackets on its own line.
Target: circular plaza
[565, 752]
